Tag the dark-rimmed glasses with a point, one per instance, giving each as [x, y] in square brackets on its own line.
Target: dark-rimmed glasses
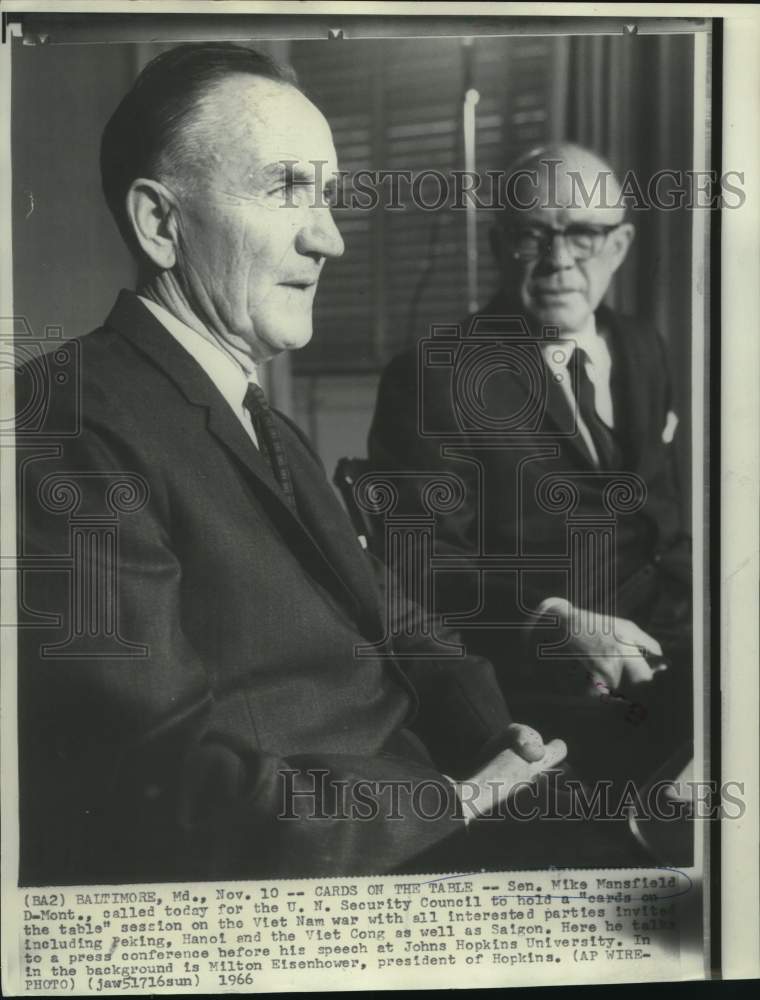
[582, 241]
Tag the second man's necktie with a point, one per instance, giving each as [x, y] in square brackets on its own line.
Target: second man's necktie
[606, 445]
[268, 437]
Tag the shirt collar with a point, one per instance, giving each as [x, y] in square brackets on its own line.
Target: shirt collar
[557, 354]
[226, 374]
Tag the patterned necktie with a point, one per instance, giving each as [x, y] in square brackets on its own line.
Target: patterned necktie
[607, 448]
[269, 440]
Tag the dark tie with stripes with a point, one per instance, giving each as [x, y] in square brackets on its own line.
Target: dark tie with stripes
[607, 448]
[270, 443]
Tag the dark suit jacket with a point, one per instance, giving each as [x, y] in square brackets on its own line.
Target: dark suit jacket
[504, 498]
[155, 748]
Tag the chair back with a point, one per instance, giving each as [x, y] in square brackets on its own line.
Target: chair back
[367, 525]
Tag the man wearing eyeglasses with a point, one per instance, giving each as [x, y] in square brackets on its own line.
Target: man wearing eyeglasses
[603, 414]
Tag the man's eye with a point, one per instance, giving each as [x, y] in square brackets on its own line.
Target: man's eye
[292, 190]
[532, 234]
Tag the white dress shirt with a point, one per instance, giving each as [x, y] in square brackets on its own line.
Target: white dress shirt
[227, 375]
[598, 368]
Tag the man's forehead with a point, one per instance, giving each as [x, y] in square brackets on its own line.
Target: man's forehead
[559, 213]
[263, 117]
[578, 190]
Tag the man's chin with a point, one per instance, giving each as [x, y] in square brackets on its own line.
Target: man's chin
[291, 340]
[567, 320]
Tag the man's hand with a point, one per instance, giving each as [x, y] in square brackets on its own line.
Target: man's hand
[526, 758]
[613, 649]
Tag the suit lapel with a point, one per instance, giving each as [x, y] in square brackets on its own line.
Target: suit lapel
[556, 412]
[144, 331]
[316, 534]
[627, 387]
[328, 526]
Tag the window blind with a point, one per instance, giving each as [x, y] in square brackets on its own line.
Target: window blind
[396, 105]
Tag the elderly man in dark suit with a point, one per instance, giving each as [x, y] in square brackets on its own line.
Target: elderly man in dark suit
[204, 691]
[540, 422]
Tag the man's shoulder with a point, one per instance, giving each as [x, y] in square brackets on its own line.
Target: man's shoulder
[97, 376]
[95, 353]
[405, 365]
[424, 368]
[637, 342]
[52, 375]
[402, 365]
[623, 324]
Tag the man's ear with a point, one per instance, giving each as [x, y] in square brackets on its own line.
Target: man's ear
[151, 210]
[620, 242]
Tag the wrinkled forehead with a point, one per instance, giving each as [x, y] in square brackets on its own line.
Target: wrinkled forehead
[253, 122]
[561, 192]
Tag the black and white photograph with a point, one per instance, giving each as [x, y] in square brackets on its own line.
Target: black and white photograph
[366, 448]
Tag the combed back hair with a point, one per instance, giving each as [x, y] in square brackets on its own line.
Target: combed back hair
[147, 127]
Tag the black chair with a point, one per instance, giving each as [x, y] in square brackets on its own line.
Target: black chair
[369, 526]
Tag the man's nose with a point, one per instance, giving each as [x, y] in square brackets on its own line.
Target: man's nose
[558, 254]
[319, 236]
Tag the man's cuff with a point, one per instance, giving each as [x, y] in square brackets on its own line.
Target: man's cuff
[466, 812]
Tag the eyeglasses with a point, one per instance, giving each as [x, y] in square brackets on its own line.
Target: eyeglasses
[582, 242]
